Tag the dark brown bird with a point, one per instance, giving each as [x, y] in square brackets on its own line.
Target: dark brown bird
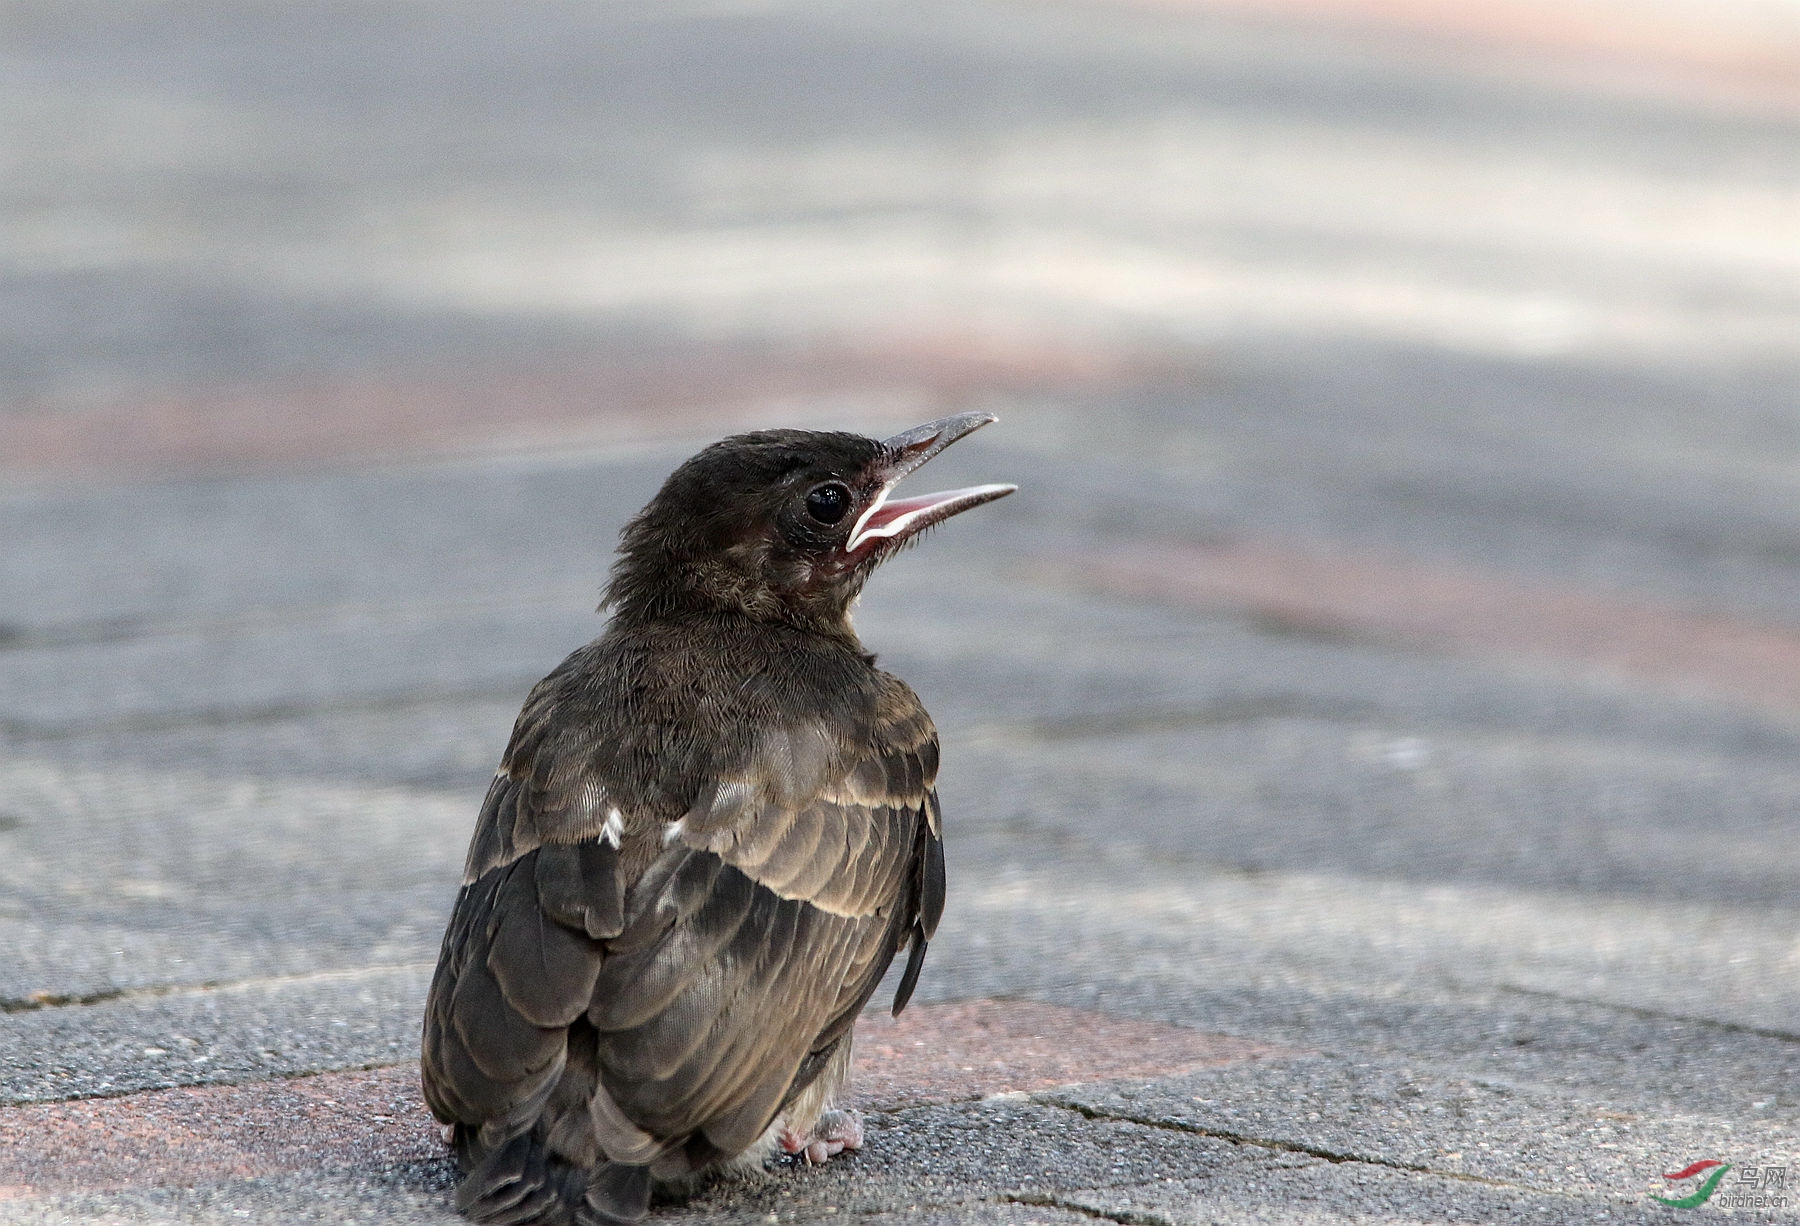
[712, 831]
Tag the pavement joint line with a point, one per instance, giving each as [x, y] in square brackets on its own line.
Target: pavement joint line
[39, 1001]
[947, 1054]
[15, 636]
[265, 713]
[1249, 709]
[1234, 709]
[1050, 1200]
[1291, 1147]
[1659, 1015]
[64, 1000]
[23, 636]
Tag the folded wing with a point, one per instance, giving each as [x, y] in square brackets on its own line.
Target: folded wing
[677, 1006]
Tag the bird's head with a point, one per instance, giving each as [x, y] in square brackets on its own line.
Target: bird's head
[783, 524]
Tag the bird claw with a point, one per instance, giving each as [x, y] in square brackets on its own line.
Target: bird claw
[835, 1132]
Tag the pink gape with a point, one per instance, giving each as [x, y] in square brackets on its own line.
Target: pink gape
[835, 1132]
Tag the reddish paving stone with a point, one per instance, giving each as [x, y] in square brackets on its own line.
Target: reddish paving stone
[1732, 55]
[973, 1049]
[608, 398]
[1352, 593]
[211, 1134]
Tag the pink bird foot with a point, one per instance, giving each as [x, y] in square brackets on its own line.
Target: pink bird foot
[835, 1132]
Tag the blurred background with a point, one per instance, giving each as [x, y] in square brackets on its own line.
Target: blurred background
[1405, 396]
[241, 234]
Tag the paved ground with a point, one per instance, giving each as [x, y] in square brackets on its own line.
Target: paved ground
[1371, 734]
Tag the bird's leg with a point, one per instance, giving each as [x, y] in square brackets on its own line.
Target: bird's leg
[835, 1132]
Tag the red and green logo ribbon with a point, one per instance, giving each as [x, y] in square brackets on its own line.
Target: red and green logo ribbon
[1700, 1195]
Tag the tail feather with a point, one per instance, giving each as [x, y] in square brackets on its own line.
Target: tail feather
[521, 1182]
[616, 1195]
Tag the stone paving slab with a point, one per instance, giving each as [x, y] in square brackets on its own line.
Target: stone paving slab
[1496, 1130]
[1262, 955]
[1304, 1190]
[361, 1120]
[244, 1031]
[417, 1193]
[1369, 734]
[1341, 966]
[639, 389]
[1133, 1157]
[185, 1137]
[123, 879]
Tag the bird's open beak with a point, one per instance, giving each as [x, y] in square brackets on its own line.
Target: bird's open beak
[895, 519]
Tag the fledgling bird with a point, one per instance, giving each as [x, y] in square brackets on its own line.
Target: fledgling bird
[713, 829]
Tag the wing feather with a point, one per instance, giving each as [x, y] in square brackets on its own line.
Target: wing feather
[710, 951]
[495, 1040]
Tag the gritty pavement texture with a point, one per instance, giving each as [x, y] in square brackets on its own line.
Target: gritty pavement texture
[1371, 734]
[959, 1052]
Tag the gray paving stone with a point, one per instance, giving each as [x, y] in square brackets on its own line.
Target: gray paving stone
[414, 1195]
[257, 1029]
[1526, 1137]
[126, 879]
[1301, 1190]
[994, 1150]
[1365, 295]
[1339, 966]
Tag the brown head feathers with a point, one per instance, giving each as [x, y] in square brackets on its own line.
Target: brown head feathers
[782, 525]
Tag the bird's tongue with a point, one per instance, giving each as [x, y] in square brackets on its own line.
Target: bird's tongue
[900, 517]
[893, 515]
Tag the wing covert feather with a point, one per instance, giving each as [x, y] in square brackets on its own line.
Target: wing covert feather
[719, 947]
[517, 967]
[708, 1009]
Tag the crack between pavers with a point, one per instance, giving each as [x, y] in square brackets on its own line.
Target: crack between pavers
[1047, 731]
[1687, 1019]
[250, 1078]
[28, 636]
[267, 713]
[1050, 1200]
[39, 1001]
[1238, 709]
[1291, 1147]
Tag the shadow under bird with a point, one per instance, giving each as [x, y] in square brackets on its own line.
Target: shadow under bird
[714, 828]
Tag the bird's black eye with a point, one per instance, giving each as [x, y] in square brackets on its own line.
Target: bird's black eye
[828, 503]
